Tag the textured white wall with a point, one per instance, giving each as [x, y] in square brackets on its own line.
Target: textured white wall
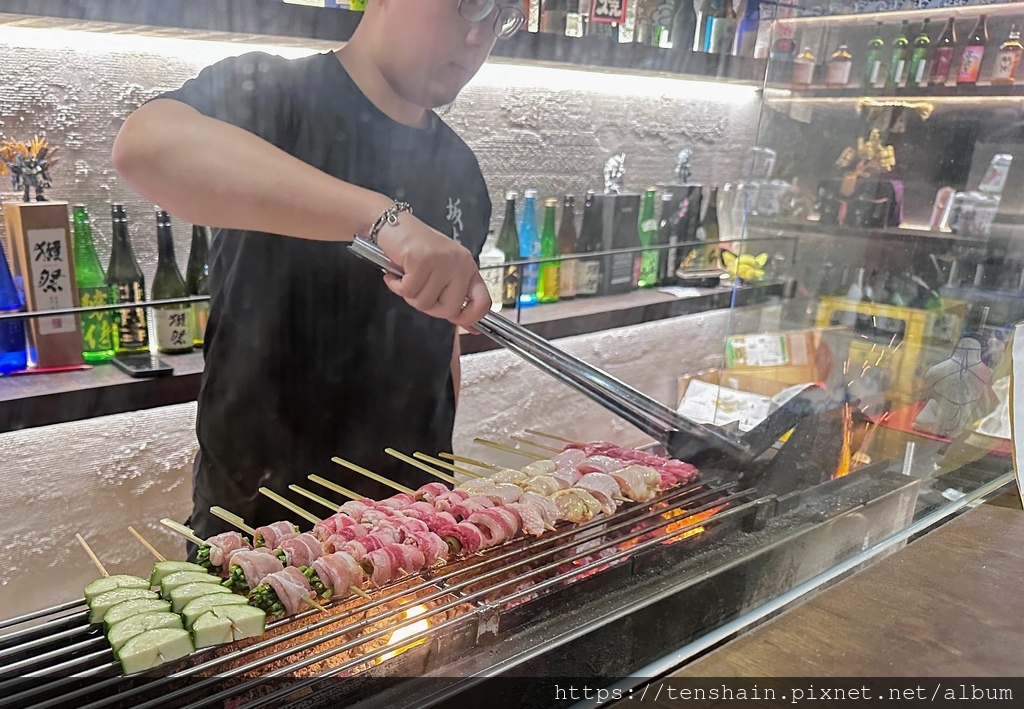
[528, 126]
[97, 477]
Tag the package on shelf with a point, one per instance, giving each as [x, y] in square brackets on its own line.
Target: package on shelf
[788, 358]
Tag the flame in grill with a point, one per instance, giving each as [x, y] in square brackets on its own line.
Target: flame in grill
[405, 632]
[846, 453]
[676, 526]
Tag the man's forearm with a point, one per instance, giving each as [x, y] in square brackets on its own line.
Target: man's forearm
[216, 174]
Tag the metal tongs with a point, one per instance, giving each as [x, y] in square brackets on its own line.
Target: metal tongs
[682, 437]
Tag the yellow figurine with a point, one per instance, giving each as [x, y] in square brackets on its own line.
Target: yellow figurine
[870, 157]
[746, 267]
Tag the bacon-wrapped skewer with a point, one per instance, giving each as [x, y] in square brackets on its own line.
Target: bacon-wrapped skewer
[248, 567]
[334, 575]
[271, 535]
[282, 592]
[214, 553]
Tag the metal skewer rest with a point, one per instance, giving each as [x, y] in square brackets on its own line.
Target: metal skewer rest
[650, 416]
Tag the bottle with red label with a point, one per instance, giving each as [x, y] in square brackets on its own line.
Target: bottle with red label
[942, 57]
[973, 53]
[1008, 60]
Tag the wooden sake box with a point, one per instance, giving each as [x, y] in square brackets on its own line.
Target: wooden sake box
[41, 253]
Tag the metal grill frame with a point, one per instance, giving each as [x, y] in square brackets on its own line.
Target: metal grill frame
[67, 621]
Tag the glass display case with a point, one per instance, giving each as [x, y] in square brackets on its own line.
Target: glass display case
[755, 276]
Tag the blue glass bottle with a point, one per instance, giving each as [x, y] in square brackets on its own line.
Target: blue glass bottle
[13, 356]
[529, 248]
[746, 33]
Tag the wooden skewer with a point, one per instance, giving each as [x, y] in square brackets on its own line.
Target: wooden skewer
[422, 466]
[236, 522]
[289, 505]
[336, 488]
[448, 466]
[88, 550]
[232, 519]
[527, 441]
[314, 497]
[182, 530]
[373, 476]
[509, 449]
[552, 436]
[142, 540]
[360, 592]
[471, 461]
[313, 604]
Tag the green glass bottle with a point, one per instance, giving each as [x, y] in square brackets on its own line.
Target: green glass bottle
[197, 280]
[873, 68]
[898, 63]
[648, 227]
[174, 328]
[508, 242]
[98, 343]
[547, 284]
[125, 276]
[919, 57]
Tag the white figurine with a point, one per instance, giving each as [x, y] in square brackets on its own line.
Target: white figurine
[959, 391]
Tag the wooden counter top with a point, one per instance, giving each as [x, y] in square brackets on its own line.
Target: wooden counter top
[949, 604]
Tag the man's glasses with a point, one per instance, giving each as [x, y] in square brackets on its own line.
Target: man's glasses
[507, 18]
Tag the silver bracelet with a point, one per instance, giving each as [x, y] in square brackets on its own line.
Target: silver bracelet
[388, 218]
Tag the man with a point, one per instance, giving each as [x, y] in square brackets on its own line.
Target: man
[310, 353]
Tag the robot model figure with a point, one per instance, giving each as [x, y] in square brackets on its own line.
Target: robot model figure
[29, 166]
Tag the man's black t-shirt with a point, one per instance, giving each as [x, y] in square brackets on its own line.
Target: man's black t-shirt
[308, 354]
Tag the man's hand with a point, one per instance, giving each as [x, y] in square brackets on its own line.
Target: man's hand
[441, 279]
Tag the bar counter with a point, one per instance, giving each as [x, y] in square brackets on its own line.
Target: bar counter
[43, 399]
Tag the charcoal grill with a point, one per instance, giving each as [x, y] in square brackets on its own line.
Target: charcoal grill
[688, 560]
[598, 599]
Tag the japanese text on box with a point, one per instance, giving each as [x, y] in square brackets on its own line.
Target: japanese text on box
[51, 278]
[608, 11]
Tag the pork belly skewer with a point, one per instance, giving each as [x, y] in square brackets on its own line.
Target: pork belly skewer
[577, 506]
[262, 573]
[302, 552]
[375, 552]
[682, 473]
[534, 522]
[389, 530]
[214, 552]
[479, 527]
[458, 536]
[276, 591]
[507, 514]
